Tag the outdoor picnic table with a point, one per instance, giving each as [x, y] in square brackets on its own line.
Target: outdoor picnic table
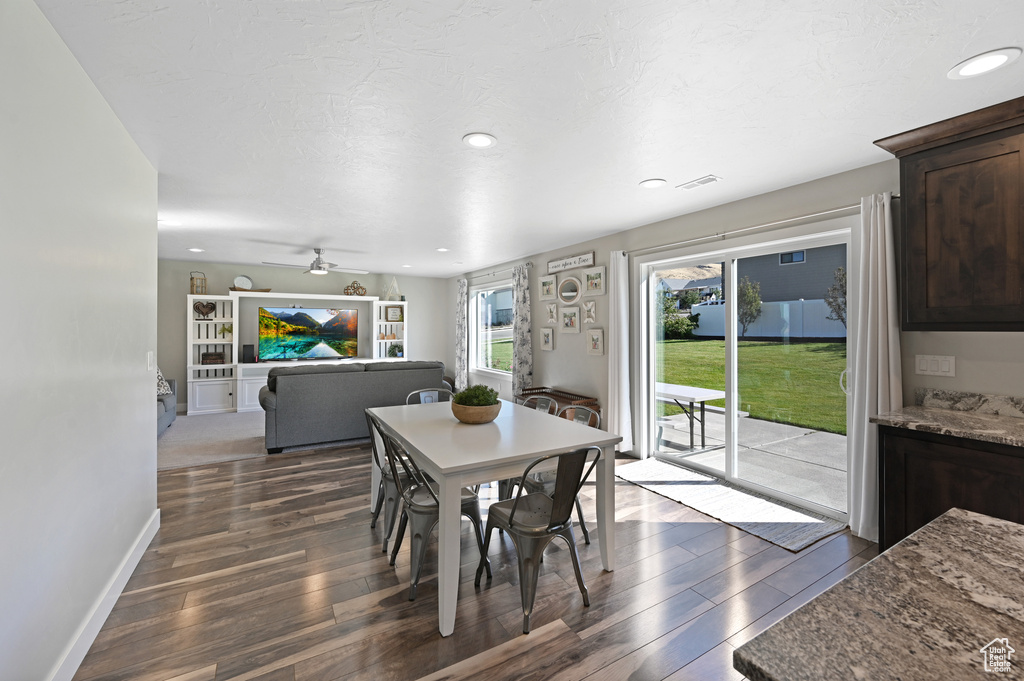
[686, 397]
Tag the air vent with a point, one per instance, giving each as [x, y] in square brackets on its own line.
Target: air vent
[700, 182]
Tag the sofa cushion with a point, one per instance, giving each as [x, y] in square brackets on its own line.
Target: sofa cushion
[402, 366]
[268, 399]
[162, 386]
[310, 369]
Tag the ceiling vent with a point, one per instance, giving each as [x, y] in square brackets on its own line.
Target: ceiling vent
[700, 182]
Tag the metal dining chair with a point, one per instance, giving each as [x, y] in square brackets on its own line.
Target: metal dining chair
[544, 482]
[541, 403]
[429, 395]
[534, 519]
[389, 494]
[420, 506]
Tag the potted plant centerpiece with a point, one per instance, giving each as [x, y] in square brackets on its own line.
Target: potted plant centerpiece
[476, 404]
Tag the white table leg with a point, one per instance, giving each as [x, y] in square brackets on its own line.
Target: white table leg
[448, 537]
[606, 506]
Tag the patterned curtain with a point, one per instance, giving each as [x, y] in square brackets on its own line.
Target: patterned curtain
[522, 331]
[462, 337]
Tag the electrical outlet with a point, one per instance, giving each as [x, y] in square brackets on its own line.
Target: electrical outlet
[935, 365]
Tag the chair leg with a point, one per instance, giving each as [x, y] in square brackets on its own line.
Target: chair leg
[392, 503]
[484, 561]
[566, 534]
[398, 538]
[380, 504]
[583, 524]
[472, 511]
[530, 551]
[422, 524]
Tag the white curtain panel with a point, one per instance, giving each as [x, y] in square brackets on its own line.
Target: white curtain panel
[462, 337]
[522, 330]
[618, 415]
[877, 384]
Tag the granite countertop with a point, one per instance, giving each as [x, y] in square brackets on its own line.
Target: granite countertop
[923, 610]
[989, 418]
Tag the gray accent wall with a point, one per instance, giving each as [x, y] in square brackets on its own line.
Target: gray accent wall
[78, 204]
[808, 280]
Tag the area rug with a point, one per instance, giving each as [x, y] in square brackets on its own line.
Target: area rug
[211, 438]
[781, 524]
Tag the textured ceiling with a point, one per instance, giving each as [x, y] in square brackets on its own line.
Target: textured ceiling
[280, 125]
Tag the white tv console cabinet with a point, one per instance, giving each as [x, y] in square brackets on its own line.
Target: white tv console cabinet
[217, 379]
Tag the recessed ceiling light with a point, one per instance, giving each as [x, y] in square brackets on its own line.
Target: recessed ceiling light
[653, 183]
[479, 140]
[442, 250]
[459, 262]
[983, 63]
[406, 265]
[196, 250]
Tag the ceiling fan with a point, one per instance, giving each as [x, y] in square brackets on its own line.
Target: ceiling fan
[319, 265]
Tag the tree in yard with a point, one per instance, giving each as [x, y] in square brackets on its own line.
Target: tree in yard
[835, 297]
[688, 299]
[748, 299]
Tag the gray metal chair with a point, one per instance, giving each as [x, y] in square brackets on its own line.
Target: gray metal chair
[429, 395]
[541, 403]
[389, 492]
[420, 506]
[533, 521]
[545, 482]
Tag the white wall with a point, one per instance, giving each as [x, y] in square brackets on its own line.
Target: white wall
[78, 405]
[781, 319]
[427, 317]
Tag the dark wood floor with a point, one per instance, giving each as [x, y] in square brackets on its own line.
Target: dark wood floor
[268, 570]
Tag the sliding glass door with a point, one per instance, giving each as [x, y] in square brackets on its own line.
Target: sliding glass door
[745, 350]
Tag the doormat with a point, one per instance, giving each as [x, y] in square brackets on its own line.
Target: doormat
[782, 524]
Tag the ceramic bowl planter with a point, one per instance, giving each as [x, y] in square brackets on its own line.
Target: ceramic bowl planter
[468, 414]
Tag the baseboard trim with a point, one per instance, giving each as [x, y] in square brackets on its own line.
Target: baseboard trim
[86, 634]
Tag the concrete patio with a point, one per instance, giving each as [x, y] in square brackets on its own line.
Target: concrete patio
[804, 463]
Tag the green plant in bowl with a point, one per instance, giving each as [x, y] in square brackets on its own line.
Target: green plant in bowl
[476, 404]
[476, 396]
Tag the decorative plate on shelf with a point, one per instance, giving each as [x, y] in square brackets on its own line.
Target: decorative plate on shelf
[243, 282]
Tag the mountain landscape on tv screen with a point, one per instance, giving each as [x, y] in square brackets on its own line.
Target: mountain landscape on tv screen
[288, 333]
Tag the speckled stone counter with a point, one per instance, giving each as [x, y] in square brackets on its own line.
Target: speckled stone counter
[922, 611]
[975, 416]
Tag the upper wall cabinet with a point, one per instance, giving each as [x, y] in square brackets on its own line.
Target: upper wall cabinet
[962, 232]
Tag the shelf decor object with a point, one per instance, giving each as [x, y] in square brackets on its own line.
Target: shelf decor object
[197, 283]
[204, 308]
[394, 313]
[563, 398]
[355, 289]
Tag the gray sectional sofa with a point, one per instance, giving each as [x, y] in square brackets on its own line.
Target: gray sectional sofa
[307, 405]
[166, 408]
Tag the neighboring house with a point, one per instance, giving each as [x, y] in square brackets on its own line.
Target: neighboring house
[794, 275]
[496, 308]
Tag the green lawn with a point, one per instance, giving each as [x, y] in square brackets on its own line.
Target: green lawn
[796, 383]
[501, 355]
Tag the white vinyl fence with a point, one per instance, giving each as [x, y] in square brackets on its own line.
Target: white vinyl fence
[786, 319]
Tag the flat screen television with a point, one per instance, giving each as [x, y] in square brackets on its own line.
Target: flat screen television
[307, 333]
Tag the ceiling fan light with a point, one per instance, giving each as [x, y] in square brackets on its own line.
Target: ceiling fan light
[313, 269]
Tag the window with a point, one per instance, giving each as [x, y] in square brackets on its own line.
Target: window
[791, 258]
[490, 333]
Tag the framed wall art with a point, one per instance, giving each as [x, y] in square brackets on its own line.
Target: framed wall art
[547, 339]
[595, 341]
[590, 312]
[593, 281]
[570, 319]
[549, 287]
[552, 310]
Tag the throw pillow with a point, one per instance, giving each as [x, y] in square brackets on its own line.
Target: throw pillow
[162, 386]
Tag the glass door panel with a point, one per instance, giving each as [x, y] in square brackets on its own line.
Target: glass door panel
[689, 365]
[791, 354]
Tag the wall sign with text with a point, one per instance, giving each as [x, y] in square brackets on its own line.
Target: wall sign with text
[571, 263]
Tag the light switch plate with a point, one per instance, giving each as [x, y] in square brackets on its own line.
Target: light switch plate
[935, 365]
[150, 361]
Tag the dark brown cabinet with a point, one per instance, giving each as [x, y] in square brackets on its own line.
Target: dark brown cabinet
[962, 227]
[923, 475]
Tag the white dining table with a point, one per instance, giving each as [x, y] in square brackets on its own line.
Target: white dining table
[458, 455]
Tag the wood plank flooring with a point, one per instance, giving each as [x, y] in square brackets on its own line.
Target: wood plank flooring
[267, 570]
